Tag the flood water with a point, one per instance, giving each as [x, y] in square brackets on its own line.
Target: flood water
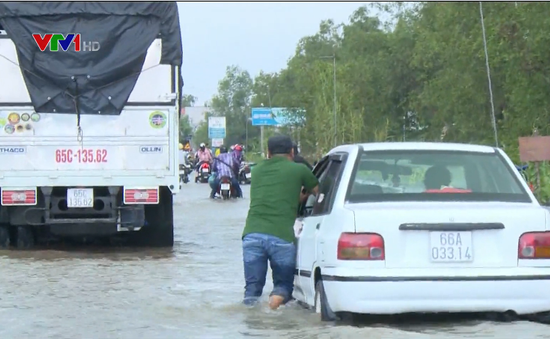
[192, 291]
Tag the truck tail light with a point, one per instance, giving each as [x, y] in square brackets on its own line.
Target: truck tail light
[361, 246]
[18, 197]
[141, 196]
[535, 245]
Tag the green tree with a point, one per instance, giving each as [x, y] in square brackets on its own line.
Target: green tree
[418, 75]
[185, 128]
[188, 100]
[233, 102]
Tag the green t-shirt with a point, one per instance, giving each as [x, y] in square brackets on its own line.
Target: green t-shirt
[275, 196]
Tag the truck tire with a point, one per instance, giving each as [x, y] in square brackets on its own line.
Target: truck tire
[159, 228]
[4, 237]
[25, 238]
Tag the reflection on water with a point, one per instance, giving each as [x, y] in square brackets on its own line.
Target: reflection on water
[192, 291]
[88, 252]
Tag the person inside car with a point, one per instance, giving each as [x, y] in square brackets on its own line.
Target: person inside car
[437, 179]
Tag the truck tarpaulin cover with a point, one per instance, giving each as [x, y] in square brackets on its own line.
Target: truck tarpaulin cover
[101, 80]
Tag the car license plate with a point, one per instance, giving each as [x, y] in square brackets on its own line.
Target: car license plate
[248, 175]
[225, 187]
[80, 197]
[451, 247]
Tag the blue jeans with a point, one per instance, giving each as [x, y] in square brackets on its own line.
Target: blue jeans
[257, 250]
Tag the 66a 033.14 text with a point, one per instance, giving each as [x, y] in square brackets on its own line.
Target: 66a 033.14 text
[80, 155]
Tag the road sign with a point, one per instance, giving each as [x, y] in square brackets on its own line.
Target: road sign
[263, 117]
[217, 142]
[275, 116]
[216, 127]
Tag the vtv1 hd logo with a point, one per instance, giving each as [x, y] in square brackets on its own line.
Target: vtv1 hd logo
[57, 40]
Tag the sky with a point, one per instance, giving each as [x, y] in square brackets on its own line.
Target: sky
[254, 36]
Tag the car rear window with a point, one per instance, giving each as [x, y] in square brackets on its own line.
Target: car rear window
[414, 175]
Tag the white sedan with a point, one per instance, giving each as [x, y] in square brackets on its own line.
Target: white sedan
[422, 227]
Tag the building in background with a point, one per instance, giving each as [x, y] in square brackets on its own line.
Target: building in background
[196, 114]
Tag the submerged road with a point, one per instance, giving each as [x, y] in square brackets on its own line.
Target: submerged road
[193, 291]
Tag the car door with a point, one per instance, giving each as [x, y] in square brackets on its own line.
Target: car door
[311, 240]
[307, 233]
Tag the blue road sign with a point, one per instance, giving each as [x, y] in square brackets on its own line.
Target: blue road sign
[263, 117]
[216, 133]
[276, 116]
[216, 127]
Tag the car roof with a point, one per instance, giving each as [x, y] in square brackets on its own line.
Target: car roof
[435, 146]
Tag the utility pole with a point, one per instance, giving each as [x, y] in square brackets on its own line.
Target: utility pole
[334, 99]
[334, 94]
[262, 127]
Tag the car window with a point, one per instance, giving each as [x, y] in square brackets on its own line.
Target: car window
[320, 170]
[327, 186]
[320, 167]
[415, 175]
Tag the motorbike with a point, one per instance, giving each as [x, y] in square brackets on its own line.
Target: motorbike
[204, 173]
[185, 170]
[245, 173]
[225, 189]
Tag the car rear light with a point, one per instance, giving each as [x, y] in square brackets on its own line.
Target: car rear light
[141, 196]
[18, 197]
[535, 245]
[360, 246]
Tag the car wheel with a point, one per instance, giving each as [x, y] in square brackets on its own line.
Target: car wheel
[321, 305]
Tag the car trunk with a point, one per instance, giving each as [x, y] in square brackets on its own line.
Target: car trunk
[433, 235]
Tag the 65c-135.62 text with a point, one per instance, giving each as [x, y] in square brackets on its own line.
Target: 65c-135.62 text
[81, 155]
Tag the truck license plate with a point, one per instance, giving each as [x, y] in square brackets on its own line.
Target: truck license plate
[80, 197]
[225, 187]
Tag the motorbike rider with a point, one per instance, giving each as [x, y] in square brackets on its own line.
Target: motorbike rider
[188, 155]
[300, 159]
[238, 154]
[224, 165]
[181, 154]
[203, 155]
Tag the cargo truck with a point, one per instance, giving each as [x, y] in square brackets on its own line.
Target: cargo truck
[89, 102]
